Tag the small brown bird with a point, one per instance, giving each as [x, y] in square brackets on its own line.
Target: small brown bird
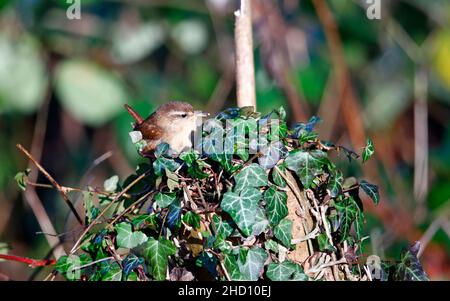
[172, 123]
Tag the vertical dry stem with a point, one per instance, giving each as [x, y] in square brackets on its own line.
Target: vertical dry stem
[245, 71]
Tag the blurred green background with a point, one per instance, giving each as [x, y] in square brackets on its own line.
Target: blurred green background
[63, 84]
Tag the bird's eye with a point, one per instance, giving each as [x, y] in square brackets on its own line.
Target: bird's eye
[184, 115]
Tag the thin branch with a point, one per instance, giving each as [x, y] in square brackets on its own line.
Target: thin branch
[53, 181]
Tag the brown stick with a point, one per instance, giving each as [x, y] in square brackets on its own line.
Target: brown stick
[245, 70]
[53, 181]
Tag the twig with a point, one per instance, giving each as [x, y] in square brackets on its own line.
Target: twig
[245, 70]
[145, 196]
[97, 219]
[53, 181]
[31, 262]
[92, 263]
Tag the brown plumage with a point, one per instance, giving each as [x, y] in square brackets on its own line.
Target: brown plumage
[172, 123]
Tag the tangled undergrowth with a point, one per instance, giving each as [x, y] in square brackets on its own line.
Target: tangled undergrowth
[284, 213]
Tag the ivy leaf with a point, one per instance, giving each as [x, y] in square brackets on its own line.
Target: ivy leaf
[21, 179]
[165, 199]
[241, 207]
[130, 263]
[283, 232]
[276, 205]
[209, 262]
[368, 150]
[69, 266]
[261, 222]
[126, 238]
[281, 271]
[324, 243]
[174, 215]
[192, 219]
[157, 252]
[161, 164]
[90, 209]
[270, 155]
[232, 266]
[113, 272]
[144, 221]
[253, 264]
[410, 268]
[251, 176]
[277, 177]
[307, 165]
[271, 245]
[371, 190]
[348, 211]
[299, 274]
[335, 181]
[222, 228]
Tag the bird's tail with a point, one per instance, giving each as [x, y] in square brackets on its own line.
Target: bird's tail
[134, 114]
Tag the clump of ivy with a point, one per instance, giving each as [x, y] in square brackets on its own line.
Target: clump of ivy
[226, 216]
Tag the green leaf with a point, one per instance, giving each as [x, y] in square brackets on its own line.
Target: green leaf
[4, 248]
[261, 222]
[410, 268]
[144, 221]
[253, 264]
[165, 199]
[307, 165]
[23, 73]
[89, 92]
[157, 252]
[161, 164]
[299, 274]
[276, 176]
[69, 266]
[113, 273]
[276, 205]
[110, 184]
[324, 243]
[126, 238]
[21, 178]
[222, 228]
[271, 154]
[271, 245]
[334, 185]
[283, 232]
[348, 211]
[232, 267]
[242, 207]
[371, 190]
[368, 150]
[192, 219]
[252, 175]
[91, 210]
[281, 271]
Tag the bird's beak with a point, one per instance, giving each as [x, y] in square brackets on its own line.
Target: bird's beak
[201, 114]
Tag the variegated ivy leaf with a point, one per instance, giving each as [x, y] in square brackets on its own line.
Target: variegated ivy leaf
[276, 205]
[306, 164]
[368, 150]
[271, 245]
[126, 238]
[251, 176]
[192, 219]
[112, 272]
[222, 228]
[252, 266]
[277, 177]
[281, 271]
[161, 163]
[157, 253]
[371, 190]
[271, 154]
[410, 268]
[335, 181]
[261, 222]
[231, 266]
[348, 213]
[283, 232]
[165, 199]
[241, 207]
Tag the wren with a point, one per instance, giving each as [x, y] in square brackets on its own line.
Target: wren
[173, 123]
